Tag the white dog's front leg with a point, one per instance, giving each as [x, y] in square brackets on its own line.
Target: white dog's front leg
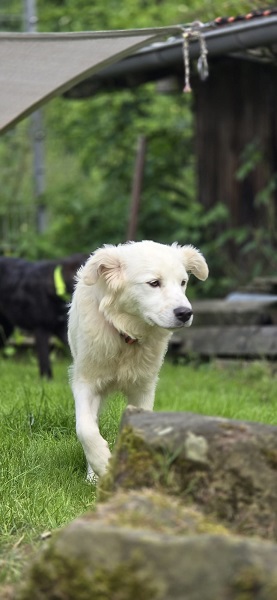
[96, 449]
[142, 397]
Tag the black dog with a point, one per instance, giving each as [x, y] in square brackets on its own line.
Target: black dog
[34, 296]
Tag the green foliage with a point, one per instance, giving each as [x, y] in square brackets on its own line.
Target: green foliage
[259, 242]
[69, 15]
[250, 158]
[91, 149]
[98, 196]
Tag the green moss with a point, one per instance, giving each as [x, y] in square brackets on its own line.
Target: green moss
[270, 455]
[125, 582]
[156, 511]
[209, 526]
[135, 465]
[252, 582]
[55, 578]
[235, 427]
[132, 466]
[60, 578]
[189, 477]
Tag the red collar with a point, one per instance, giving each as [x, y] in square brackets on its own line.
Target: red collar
[128, 339]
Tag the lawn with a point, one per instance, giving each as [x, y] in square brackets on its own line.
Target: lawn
[42, 465]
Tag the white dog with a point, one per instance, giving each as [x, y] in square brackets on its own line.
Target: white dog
[127, 302]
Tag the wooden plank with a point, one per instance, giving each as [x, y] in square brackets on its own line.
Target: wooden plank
[223, 312]
[262, 285]
[248, 342]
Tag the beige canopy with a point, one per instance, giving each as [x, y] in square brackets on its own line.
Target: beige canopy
[35, 67]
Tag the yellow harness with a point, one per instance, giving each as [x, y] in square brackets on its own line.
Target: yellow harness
[60, 285]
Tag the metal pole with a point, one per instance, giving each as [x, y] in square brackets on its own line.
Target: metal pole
[37, 133]
[136, 189]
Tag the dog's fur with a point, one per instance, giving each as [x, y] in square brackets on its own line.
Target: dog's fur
[29, 300]
[127, 302]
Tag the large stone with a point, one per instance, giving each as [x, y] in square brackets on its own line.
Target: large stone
[143, 545]
[228, 342]
[240, 328]
[226, 468]
[230, 313]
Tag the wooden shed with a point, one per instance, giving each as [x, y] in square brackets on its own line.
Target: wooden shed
[236, 138]
[235, 108]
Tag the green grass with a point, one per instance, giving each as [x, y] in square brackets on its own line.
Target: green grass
[42, 478]
[236, 390]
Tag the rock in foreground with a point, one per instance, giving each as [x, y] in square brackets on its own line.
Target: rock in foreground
[144, 545]
[226, 468]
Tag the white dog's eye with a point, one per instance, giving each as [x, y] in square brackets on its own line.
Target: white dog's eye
[184, 282]
[154, 283]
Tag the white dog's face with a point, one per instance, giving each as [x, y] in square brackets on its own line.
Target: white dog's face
[146, 281]
[156, 292]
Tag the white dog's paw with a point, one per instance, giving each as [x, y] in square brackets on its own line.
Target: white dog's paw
[91, 476]
[103, 461]
[98, 466]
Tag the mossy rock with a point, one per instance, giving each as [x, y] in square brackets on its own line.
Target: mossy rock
[156, 511]
[226, 468]
[144, 545]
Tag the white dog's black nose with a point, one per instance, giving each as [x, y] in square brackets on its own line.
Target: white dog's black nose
[182, 313]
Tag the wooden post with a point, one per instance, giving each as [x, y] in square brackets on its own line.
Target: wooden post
[136, 188]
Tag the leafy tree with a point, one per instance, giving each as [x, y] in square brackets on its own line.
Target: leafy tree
[91, 147]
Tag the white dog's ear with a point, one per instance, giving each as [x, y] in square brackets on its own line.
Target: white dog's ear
[105, 263]
[195, 262]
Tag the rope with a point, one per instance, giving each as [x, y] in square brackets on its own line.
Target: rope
[193, 32]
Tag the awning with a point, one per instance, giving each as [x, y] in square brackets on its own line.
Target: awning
[35, 67]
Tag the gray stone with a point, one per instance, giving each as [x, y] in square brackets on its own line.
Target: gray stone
[225, 468]
[230, 313]
[250, 341]
[114, 554]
